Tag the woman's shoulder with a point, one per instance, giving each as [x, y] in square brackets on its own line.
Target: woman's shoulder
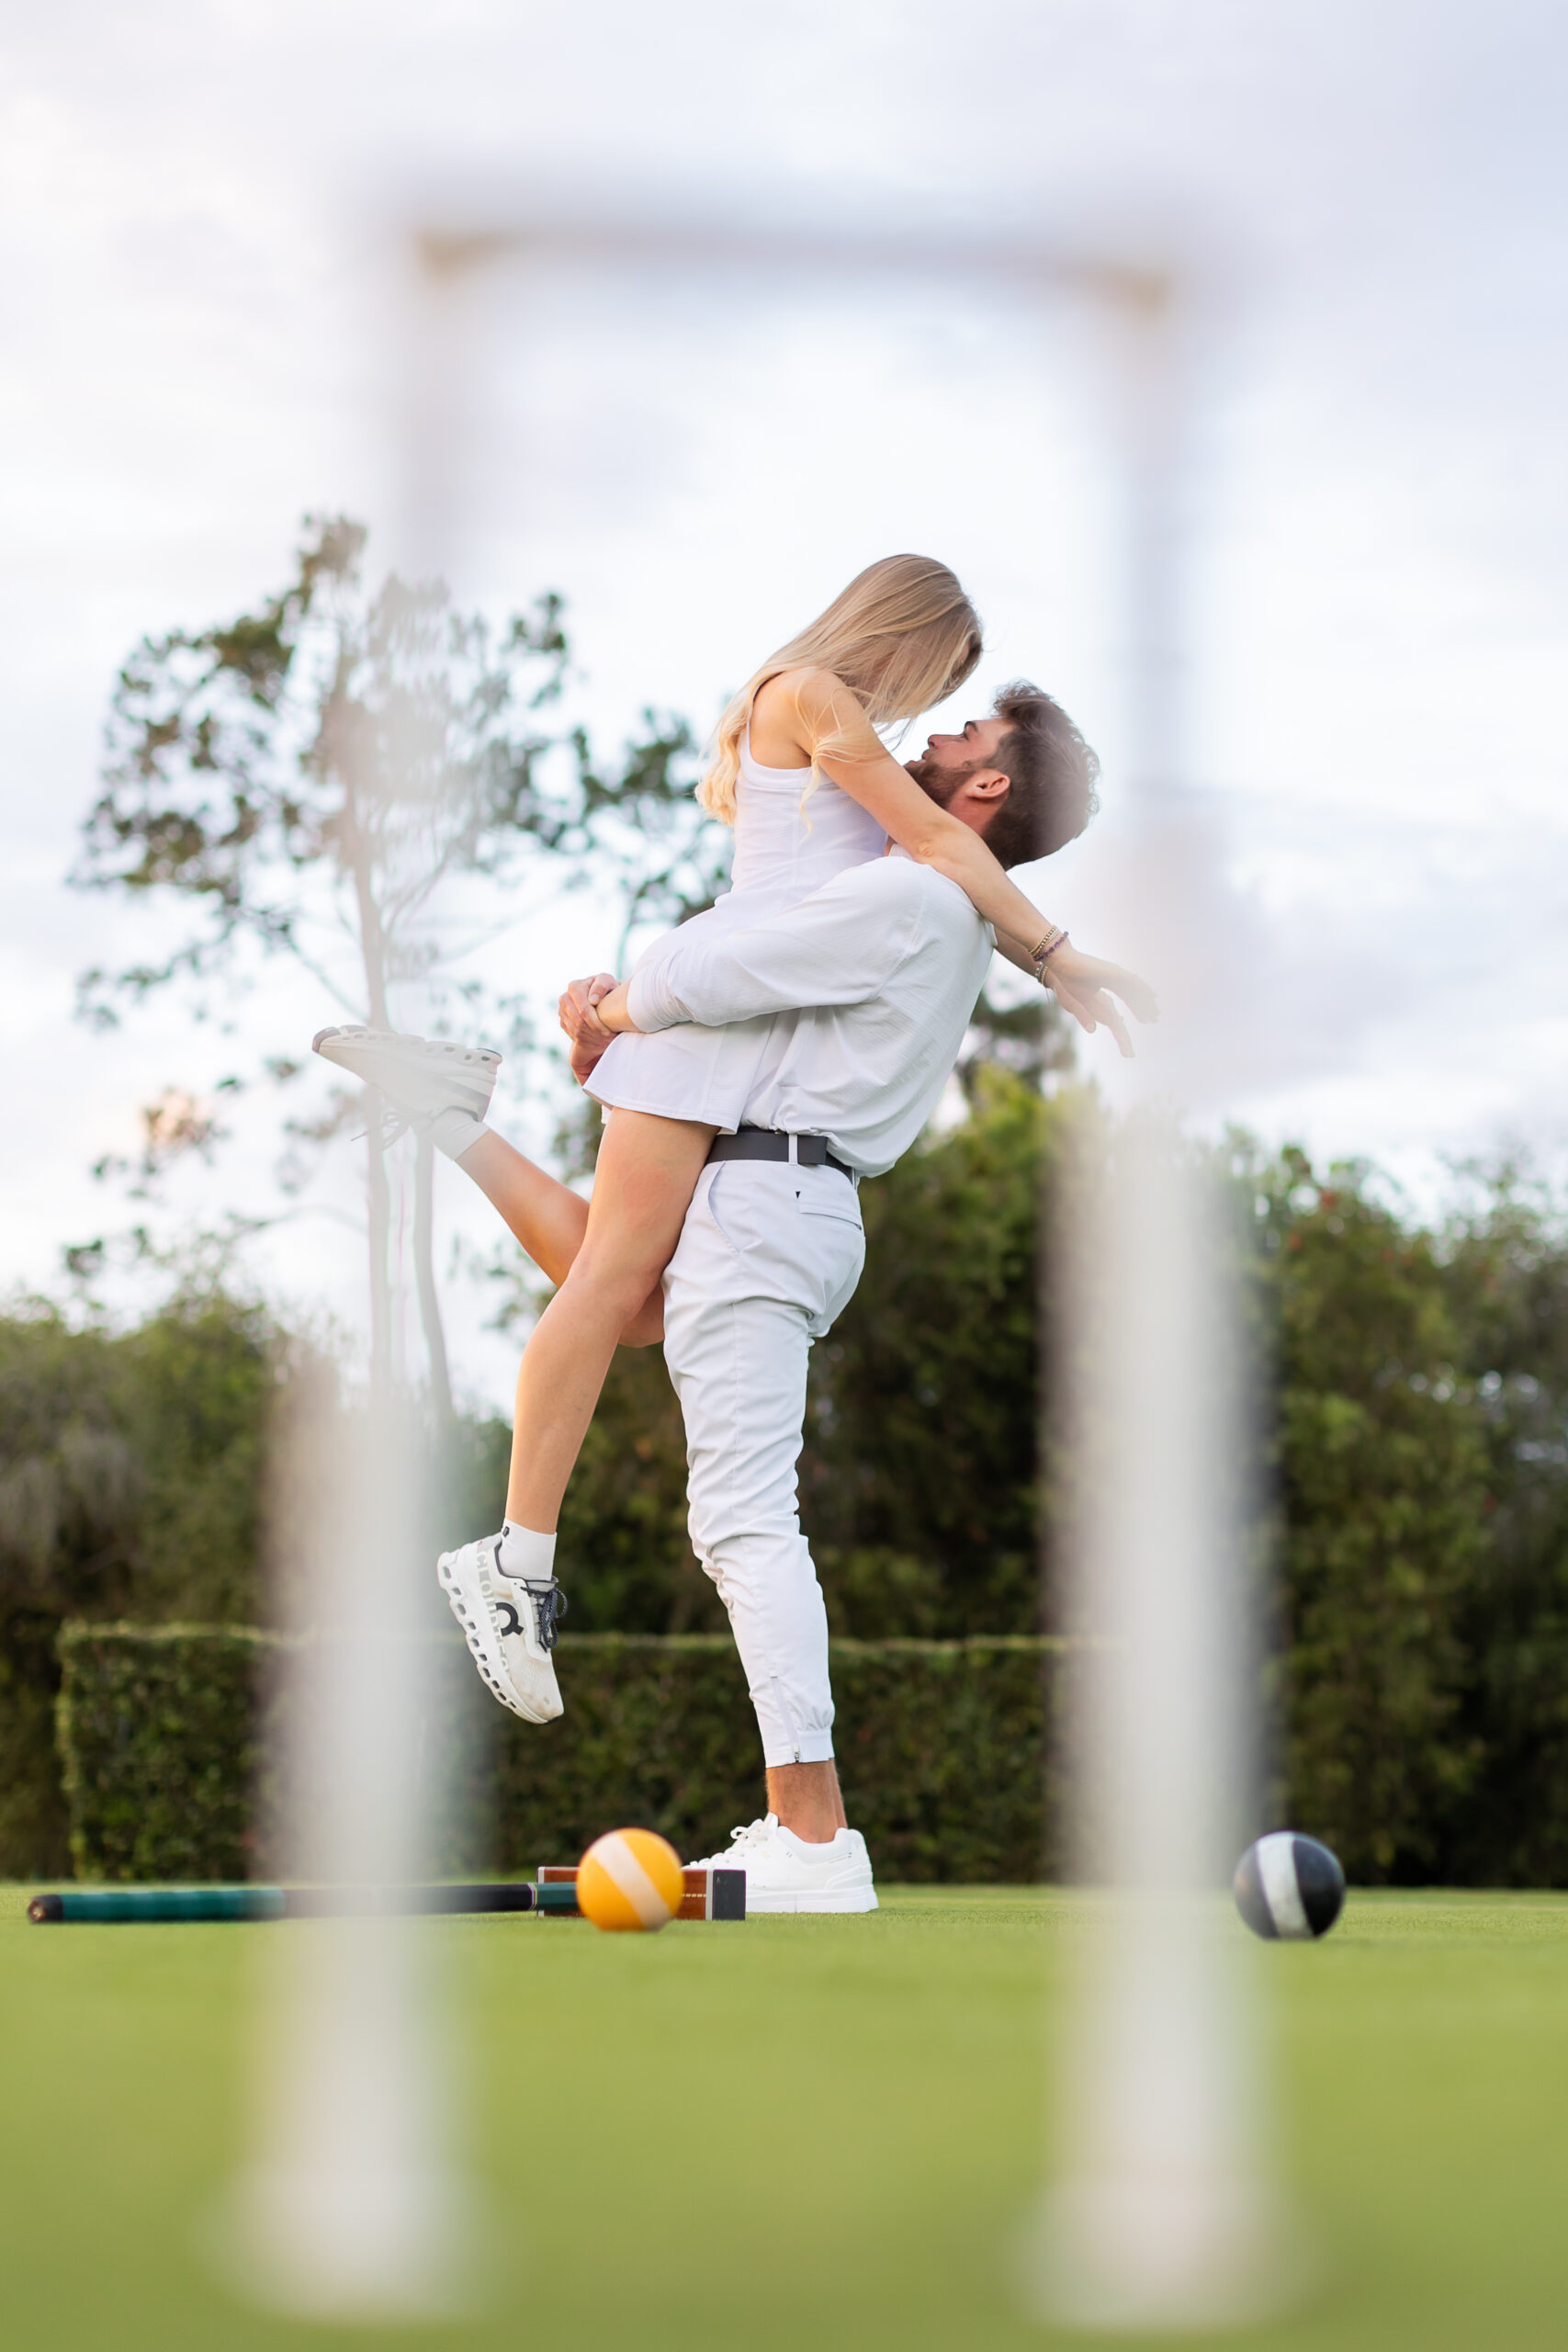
[808, 687]
[790, 712]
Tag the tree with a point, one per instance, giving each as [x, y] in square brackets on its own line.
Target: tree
[920, 1484]
[1383, 1473]
[311, 779]
[1504, 1252]
[130, 1487]
[1415, 1389]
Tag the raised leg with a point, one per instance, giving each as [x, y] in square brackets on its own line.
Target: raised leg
[550, 1221]
[647, 1170]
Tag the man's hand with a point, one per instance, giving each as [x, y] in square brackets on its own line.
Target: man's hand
[580, 1018]
[1085, 987]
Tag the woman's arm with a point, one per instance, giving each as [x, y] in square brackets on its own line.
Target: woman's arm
[815, 707]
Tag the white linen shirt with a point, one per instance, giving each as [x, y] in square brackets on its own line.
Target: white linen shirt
[849, 1010]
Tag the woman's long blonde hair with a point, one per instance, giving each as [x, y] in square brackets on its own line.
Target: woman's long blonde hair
[902, 636]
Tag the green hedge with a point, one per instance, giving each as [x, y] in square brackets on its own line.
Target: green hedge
[159, 1734]
[164, 1733]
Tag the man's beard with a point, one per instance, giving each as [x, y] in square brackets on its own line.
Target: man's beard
[940, 783]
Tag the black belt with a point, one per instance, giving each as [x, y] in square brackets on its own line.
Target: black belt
[766, 1142]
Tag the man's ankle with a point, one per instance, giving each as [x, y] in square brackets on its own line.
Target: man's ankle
[805, 1800]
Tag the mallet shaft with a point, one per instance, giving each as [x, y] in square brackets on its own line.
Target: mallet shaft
[137, 1906]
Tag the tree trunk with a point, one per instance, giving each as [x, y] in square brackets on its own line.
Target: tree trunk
[424, 1275]
[379, 1204]
[372, 950]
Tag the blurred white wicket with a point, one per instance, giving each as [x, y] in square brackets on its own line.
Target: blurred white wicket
[350, 2209]
[1163, 2212]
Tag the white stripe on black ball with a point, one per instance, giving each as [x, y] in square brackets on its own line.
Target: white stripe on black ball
[1289, 1888]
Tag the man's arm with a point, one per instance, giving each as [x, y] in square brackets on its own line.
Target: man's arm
[839, 946]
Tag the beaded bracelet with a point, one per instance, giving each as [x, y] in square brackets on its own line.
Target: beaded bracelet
[1054, 938]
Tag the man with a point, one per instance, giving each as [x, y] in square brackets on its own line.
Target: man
[865, 990]
[858, 1000]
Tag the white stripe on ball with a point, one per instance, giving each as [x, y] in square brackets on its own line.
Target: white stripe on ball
[621, 1864]
[1277, 1876]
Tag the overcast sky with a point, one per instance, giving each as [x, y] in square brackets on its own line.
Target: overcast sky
[195, 251]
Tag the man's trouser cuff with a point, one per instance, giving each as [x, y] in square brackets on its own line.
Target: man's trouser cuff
[813, 1747]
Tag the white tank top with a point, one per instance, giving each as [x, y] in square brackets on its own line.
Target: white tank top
[786, 846]
[786, 843]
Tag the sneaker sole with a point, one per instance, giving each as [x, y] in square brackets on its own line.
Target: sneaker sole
[474, 1094]
[457, 1601]
[840, 1899]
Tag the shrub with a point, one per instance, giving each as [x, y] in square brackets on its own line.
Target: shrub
[160, 1735]
[164, 1733]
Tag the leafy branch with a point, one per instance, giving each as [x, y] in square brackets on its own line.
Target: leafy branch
[323, 779]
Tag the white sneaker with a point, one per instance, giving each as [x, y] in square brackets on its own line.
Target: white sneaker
[783, 1873]
[509, 1624]
[421, 1076]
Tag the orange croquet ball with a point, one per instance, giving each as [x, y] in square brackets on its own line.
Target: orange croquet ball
[630, 1878]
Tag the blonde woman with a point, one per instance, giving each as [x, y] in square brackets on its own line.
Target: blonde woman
[810, 789]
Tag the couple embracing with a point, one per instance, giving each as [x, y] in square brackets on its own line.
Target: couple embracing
[758, 1063]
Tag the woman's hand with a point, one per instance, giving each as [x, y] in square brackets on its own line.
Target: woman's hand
[579, 1016]
[1089, 972]
[1085, 987]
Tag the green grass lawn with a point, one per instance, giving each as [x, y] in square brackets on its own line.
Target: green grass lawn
[813, 2132]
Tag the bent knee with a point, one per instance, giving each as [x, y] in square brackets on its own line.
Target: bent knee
[645, 1328]
[622, 1280]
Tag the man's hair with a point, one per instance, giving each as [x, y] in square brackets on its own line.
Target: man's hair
[1052, 774]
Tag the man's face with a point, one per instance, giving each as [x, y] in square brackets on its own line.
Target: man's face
[948, 759]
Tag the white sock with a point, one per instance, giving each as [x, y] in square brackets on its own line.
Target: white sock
[455, 1132]
[526, 1552]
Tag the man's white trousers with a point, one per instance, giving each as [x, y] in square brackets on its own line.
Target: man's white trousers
[768, 1255]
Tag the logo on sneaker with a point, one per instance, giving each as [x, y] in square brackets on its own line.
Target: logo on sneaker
[548, 1606]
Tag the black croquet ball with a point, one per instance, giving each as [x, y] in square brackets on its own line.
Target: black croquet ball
[1289, 1887]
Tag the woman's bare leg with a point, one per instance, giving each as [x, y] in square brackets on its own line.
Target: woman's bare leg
[549, 1219]
[647, 1172]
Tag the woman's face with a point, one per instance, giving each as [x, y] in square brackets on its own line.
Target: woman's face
[873, 669]
[872, 672]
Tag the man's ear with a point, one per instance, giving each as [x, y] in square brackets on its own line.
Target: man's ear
[987, 786]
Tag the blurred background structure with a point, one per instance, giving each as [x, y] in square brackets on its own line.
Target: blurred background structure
[1165, 2212]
